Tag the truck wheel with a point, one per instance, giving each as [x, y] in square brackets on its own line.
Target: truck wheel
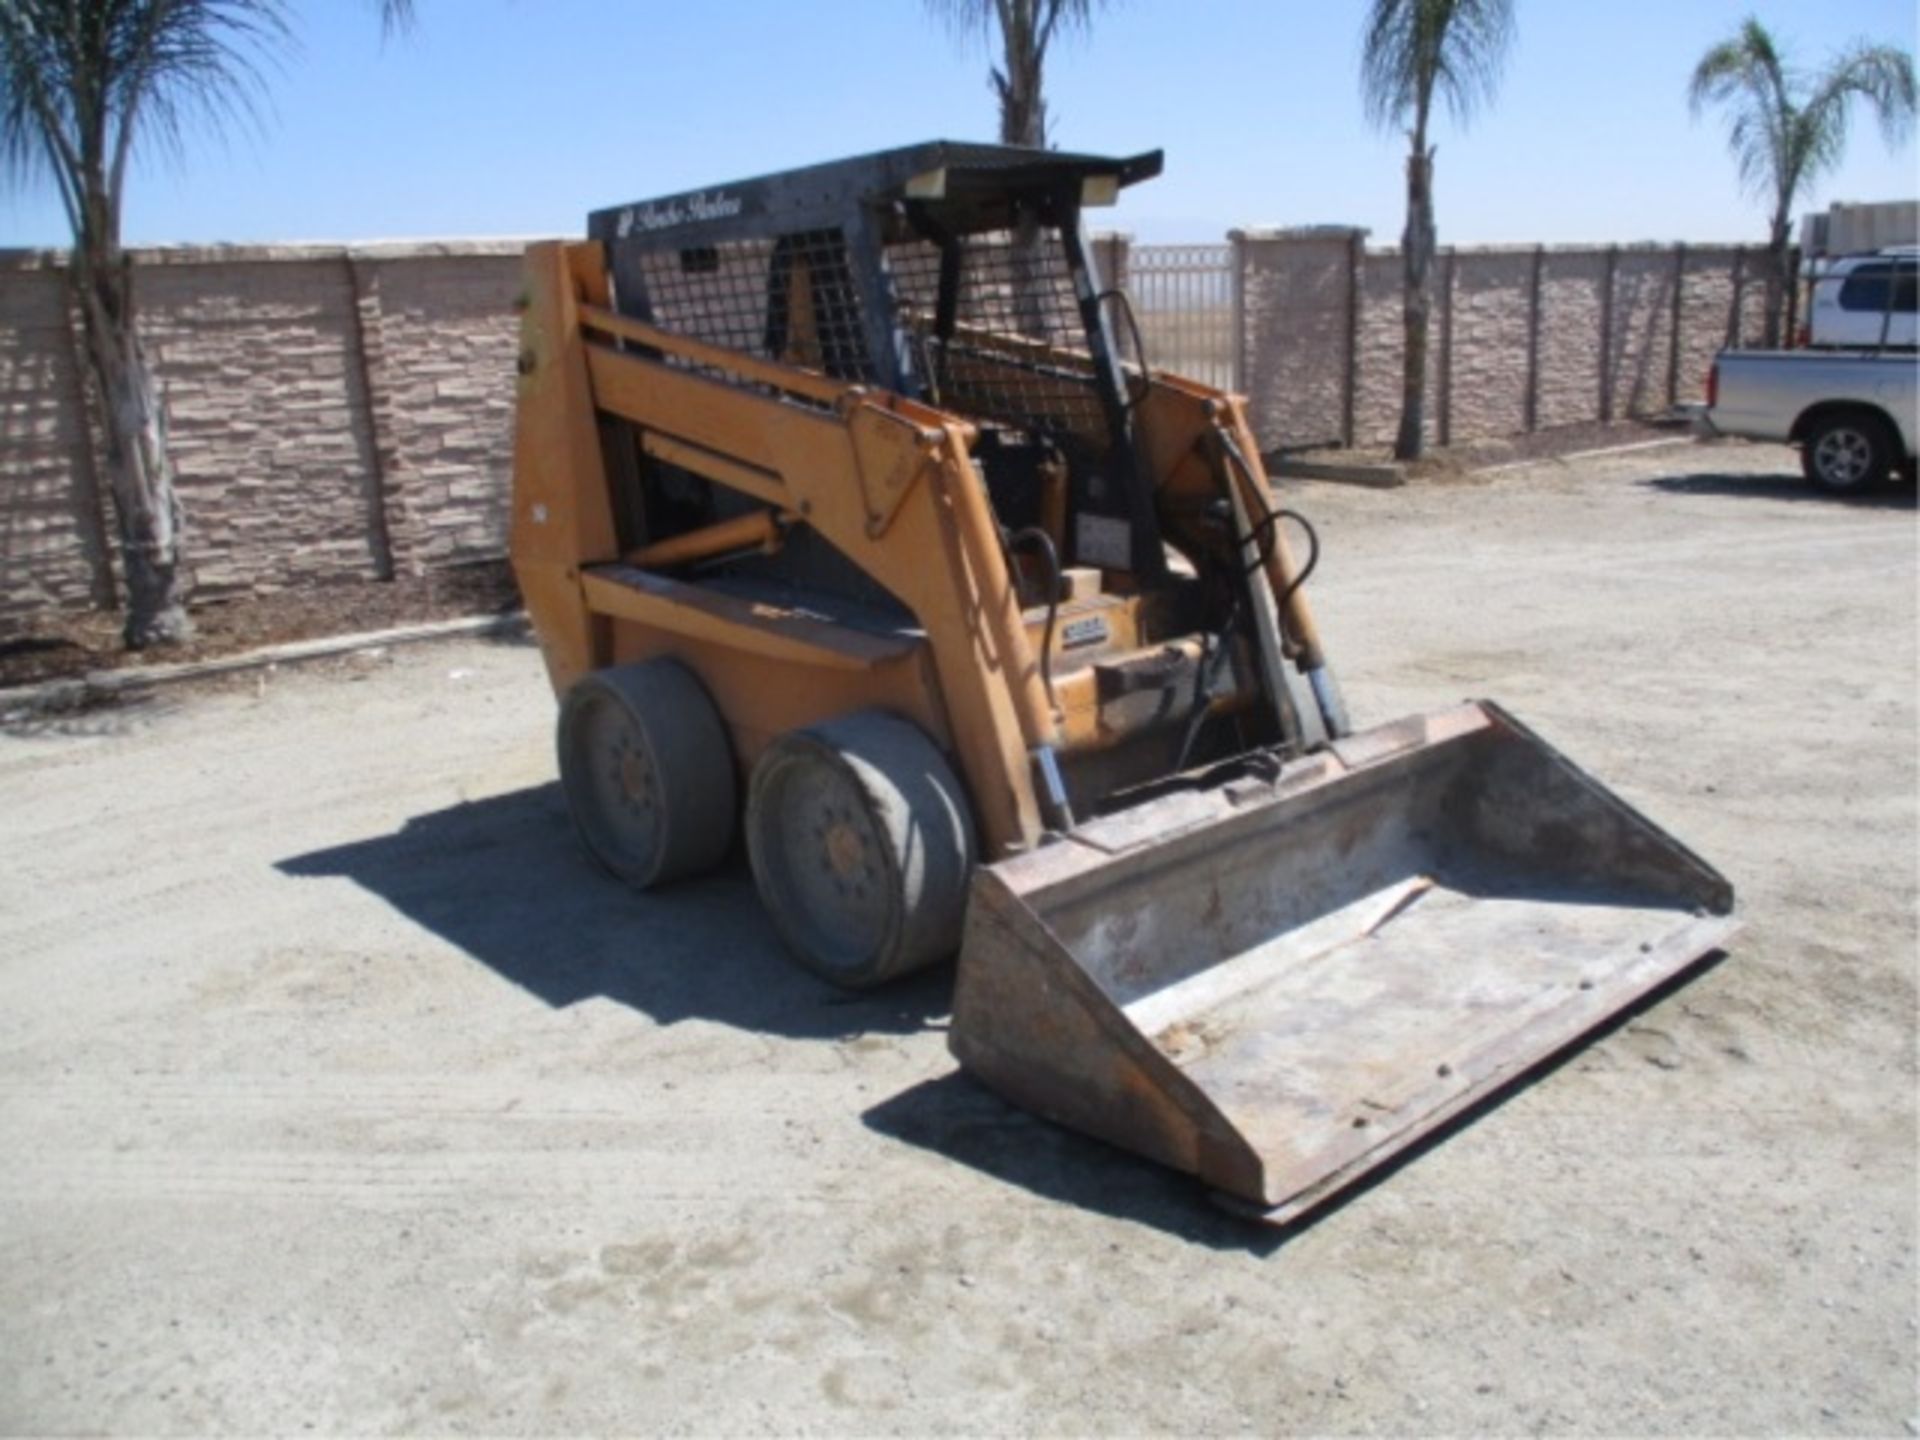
[1847, 453]
[861, 846]
[647, 772]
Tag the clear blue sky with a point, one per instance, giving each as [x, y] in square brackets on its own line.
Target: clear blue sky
[515, 117]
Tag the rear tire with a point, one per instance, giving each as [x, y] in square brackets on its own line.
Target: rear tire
[862, 847]
[647, 772]
[1847, 453]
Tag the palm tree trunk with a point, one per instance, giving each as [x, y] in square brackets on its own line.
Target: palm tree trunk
[1023, 109]
[1416, 253]
[1023, 121]
[140, 475]
[1023, 105]
[1779, 273]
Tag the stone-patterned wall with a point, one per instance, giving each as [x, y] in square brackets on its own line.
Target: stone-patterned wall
[441, 339]
[346, 412]
[53, 551]
[1484, 386]
[1573, 285]
[1521, 337]
[1380, 366]
[1640, 336]
[266, 418]
[1299, 283]
[333, 413]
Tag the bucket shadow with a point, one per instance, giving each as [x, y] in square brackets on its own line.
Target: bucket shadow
[505, 880]
[960, 1119]
[1787, 485]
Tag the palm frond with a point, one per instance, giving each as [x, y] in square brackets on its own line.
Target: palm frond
[1784, 128]
[1414, 50]
[181, 63]
[1026, 22]
[83, 83]
[1026, 29]
[29, 91]
[1880, 76]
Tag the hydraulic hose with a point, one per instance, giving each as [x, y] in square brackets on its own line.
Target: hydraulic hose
[1035, 537]
[1261, 538]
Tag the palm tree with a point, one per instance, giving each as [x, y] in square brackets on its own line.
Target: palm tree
[1786, 127]
[1413, 50]
[1027, 28]
[83, 85]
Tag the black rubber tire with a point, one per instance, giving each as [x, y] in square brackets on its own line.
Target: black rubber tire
[862, 848]
[1847, 453]
[647, 772]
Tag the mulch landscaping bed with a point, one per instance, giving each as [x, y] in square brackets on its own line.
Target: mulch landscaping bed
[62, 647]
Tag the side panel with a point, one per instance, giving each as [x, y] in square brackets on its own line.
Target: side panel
[892, 487]
[561, 515]
[761, 698]
[889, 484]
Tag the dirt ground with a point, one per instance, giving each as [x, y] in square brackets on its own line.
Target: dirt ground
[338, 1094]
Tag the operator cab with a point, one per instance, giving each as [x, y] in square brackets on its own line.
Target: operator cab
[956, 274]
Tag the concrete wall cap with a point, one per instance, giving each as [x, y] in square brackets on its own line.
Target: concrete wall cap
[425, 249]
[1299, 232]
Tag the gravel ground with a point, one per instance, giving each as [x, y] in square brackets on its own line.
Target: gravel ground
[338, 1094]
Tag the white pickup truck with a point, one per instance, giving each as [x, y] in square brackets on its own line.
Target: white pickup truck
[1851, 412]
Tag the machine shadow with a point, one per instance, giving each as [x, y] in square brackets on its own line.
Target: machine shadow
[957, 1117]
[505, 880]
[1787, 485]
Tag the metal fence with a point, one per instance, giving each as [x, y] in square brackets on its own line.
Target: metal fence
[1183, 297]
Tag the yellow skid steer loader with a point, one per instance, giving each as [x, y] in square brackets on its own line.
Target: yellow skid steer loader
[850, 515]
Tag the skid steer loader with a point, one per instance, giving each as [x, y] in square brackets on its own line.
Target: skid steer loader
[849, 513]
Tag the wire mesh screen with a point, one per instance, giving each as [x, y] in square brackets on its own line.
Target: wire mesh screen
[791, 299]
[1017, 355]
[1183, 299]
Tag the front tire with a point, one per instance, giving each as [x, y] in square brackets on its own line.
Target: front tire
[1848, 453]
[862, 848]
[647, 772]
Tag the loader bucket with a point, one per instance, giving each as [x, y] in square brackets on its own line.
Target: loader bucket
[1279, 985]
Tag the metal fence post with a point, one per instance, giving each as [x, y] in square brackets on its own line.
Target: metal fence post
[1739, 296]
[1793, 297]
[1445, 426]
[1350, 379]
[1237, 287]
[1673, 324]
[368, 353]
[1533, 338]
[1606, 333]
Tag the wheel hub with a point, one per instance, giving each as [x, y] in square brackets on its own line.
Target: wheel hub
[1844, 456]
[636, 781]
[846, 851]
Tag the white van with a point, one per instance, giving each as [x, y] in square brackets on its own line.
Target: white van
[1865, 301]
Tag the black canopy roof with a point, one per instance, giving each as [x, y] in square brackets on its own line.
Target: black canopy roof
[972, 186]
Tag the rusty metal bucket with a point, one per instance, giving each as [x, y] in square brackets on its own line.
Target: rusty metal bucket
[1280, 985]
